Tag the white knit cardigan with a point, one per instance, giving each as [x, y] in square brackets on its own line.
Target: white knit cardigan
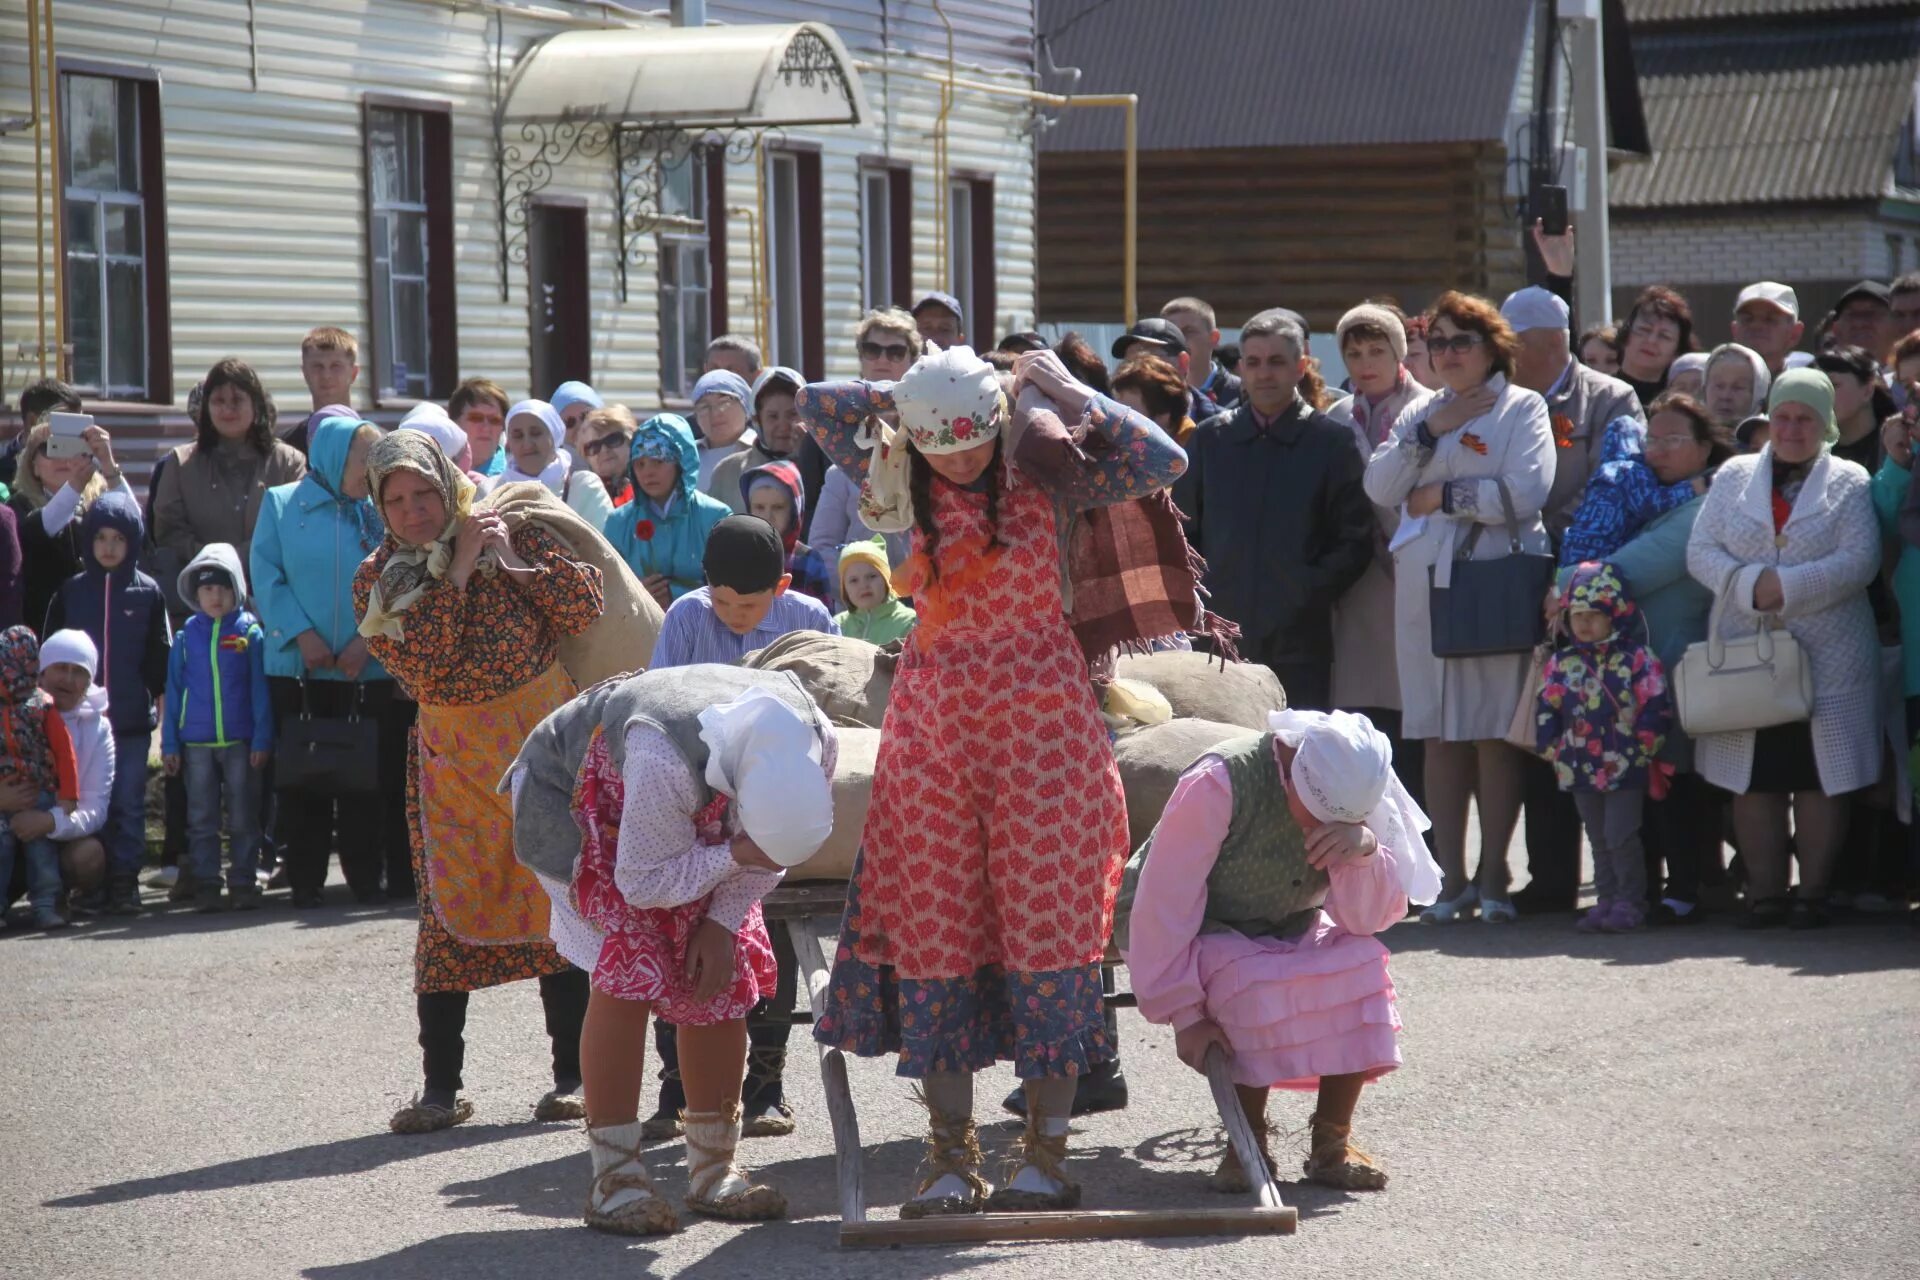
[1826, 554]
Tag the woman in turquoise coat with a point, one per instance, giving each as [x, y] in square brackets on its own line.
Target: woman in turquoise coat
[309, 540]
[662, 533]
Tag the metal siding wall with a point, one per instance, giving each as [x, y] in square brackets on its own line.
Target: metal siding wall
[989, 33]
[265, 209]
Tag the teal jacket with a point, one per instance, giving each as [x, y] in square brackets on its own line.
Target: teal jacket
[673, 543]
[1890, 485]
[307, 544]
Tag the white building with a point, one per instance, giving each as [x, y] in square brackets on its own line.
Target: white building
[216, 177]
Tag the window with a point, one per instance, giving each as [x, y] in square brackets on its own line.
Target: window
[886, 248]
[114, 237]
[410, 252]
[1895, 246]
[794, 262]
[970, 264]
[686, 272]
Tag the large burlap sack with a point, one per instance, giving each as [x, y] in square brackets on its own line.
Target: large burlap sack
[849, 679]
[622, 640]
[852, 789]
[1151, 761]
[1199, 688]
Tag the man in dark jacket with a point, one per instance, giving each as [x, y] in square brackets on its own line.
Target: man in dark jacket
[1274, 502]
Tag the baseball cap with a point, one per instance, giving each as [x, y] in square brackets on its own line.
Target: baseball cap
[1025, 340]
[1164, 334]
[947, 300]
[1872, 289]
[1534, 308]
[1779, 296]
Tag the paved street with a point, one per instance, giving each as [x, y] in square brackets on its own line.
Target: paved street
[206, 1097]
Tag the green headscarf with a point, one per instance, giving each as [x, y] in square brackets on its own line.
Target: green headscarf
[1811, 388]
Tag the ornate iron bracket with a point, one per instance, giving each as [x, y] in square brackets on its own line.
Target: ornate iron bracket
[642, 156]
[526, 165]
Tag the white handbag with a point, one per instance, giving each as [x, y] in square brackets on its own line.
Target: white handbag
[1726, 686]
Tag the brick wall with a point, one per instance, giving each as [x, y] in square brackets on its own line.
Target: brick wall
[1740, 248]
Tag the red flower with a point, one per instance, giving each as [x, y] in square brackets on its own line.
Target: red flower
[644, 530]
[962, 428]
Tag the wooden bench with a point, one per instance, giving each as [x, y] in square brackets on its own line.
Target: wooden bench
[811, 913]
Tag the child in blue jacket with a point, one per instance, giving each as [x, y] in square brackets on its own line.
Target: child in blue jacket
[1622, 495]
[218, 726]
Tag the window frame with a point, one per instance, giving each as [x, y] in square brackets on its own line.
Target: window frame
[710, 162]
[808, 271]
[977, 294]
[897, 222]
[442, 337]
[150, 151]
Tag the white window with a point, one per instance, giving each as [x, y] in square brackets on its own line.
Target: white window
[783, 261]
[106, 240]
[960, 246]
[876, 219]
[686, 272]
[397, 233]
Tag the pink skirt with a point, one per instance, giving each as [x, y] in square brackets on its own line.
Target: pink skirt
[1295, 1010]
[644, 955]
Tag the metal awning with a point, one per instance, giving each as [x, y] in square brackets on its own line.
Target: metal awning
[691, 77]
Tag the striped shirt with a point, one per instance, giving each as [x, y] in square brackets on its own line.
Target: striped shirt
[694, 633]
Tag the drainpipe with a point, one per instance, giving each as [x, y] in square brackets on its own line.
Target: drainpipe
[689, 13]
[39, 177]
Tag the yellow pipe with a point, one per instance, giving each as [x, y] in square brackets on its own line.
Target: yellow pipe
[39, 176]
[763, 262]
[1130, 102]
[61, 365]
[755, 297]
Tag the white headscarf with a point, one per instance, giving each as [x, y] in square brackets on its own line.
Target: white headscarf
[432, 420]
[777, 770]
[1343, 772]
[1762, 376]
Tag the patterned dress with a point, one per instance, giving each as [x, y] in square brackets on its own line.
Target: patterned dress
[982, 897]
[470, 649]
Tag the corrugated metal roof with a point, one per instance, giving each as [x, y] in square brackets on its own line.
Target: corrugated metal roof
[1252, 73]
[1652, 11]
[1767, 115]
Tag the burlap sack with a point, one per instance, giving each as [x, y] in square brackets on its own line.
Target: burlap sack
[622, 640]
[1151, 761]
[1198, 689]
[852, 789]
[849, 679]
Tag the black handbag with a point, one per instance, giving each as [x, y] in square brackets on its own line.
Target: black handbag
[1491, 606]
[326, 755]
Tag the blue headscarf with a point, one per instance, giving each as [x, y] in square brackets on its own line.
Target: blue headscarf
[328, 445]
[669, 438]
[574, 393]
[727, 383]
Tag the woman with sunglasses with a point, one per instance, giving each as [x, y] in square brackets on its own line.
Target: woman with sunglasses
[606, 437]
[888, 343]
[1444, 466]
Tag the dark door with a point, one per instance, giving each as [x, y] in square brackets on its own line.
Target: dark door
[557, 279]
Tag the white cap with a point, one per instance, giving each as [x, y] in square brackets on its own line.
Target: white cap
[72, 646]
[1798, 360]
[1775, 295]
[1534, 308]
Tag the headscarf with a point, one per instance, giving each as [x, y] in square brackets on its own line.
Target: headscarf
[411, 569]
[777, 770]
[1689, 362]
[948, 402]
[433, 420]
[667, 437]
[568, 393]
[328, 446]
[27, 482]
[1762, 376]
[724, 382]
[1811, 388]
[28, 748]
[1343, 772]
[554, 474]
[785, 477]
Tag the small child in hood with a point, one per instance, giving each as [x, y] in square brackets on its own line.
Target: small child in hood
[875, 612]
[1623, 495]
[1601, 718]
[35, 749]
[122, 611]
[218, 728]
[775, 493]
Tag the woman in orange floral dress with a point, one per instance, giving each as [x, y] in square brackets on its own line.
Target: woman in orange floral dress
[469, 621]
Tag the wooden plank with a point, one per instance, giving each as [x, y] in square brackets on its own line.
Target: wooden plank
[1083, 1224]
[815, 898]
[813, 939]
[1240, 1130]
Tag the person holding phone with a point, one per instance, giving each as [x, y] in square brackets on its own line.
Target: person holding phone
[66, 464]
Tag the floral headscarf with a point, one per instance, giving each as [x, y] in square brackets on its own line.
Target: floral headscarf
[412, 569]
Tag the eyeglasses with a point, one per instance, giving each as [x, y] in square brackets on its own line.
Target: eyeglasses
[617, 440]
[1459, 343]
[1660, 444]
[892, 351]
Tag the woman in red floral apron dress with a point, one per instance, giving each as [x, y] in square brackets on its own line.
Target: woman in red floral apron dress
[983, 894]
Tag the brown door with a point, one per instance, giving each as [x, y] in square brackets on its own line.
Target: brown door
[557, 281]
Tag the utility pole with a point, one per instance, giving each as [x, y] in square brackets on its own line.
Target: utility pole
[1593, 267]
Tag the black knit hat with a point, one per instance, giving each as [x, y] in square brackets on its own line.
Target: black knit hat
[744, 554]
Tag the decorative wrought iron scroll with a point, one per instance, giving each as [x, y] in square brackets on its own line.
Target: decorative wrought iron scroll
[526, 166]
[642, 157]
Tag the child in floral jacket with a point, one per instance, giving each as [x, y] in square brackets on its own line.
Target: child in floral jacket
[1602, 715]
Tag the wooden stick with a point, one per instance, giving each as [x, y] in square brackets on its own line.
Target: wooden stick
[812, 938]
[1240, 1130]
[1084, 1224]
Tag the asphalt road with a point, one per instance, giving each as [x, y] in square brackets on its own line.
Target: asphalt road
[207, 1097]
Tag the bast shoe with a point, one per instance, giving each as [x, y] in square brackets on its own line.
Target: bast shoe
[430, 1115]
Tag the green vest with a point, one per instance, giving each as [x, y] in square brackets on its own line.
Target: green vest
[1261, 885]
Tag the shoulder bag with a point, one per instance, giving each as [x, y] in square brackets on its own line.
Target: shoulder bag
[327, 755]
[1723, 686]
[1491, 606]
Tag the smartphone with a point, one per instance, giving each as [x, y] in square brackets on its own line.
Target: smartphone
[1551, 209]
[64, 431]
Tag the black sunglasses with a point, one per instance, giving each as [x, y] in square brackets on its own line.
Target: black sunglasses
[604, 443]
[892, 351]
[1459, 343]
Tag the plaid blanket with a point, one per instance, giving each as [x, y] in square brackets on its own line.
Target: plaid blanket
[1136, 579]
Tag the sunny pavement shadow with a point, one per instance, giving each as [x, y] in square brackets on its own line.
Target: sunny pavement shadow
[571, 1251]
[181, 918]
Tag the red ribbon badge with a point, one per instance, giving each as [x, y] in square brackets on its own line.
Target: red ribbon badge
[1474, 443]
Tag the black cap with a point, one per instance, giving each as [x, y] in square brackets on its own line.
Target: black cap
[1865, 289]
[744, 554]
[210, 575]
[1024, 341]
[935, 298]
[1164, 334]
